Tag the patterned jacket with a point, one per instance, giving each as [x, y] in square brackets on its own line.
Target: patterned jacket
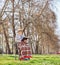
[24, 50]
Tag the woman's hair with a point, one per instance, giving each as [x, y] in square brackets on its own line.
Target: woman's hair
[24, 39]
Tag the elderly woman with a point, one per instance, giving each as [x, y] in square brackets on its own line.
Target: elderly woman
[24, 49]
[18, 38]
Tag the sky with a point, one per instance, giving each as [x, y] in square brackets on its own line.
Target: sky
[57, 12]
[56, 9]
[1, 3]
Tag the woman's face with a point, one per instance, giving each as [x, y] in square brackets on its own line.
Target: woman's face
[25, 41]
[20, 32]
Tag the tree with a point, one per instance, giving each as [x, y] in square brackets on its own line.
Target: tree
[37, 20]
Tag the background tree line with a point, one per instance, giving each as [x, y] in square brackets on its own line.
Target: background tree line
[37, 20]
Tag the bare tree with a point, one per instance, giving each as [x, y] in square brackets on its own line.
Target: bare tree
[37, 20]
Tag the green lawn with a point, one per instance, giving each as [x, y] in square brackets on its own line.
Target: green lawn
[36, 60]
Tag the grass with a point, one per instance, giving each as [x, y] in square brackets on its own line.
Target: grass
[36, 60]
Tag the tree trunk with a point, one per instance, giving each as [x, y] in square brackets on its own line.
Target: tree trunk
[13, 26]
[37, 45]
[6, 39]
